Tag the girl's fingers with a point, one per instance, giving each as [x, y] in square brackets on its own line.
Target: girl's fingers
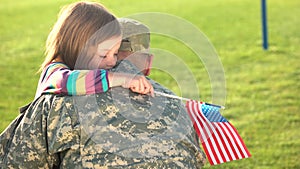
[140, 84]
[151, 91]
[132, 88]
[148, 88]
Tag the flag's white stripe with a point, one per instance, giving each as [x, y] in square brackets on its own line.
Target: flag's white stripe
[214, 147]
[207, 128]
[232, 141]
[218, 146]
[204, 141]
[220, 140]
[238, 140]
[227, 144]
[210, 153]
[221, 135]
[215, 142]
[193, 113]
[221, 145]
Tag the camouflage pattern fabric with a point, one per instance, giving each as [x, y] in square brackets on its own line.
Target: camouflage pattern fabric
[116, 129]
[136, 36]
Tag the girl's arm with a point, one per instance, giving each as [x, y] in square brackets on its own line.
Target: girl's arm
[136, 83]
[59, 79]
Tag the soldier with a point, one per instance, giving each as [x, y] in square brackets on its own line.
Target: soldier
[135, 44]
[116, 129]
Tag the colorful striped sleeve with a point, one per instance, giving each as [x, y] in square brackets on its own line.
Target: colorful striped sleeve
[59, 79]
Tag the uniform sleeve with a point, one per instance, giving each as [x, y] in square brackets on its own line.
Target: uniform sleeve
[61, 80]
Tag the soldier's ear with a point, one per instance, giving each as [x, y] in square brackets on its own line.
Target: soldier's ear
[148, 65]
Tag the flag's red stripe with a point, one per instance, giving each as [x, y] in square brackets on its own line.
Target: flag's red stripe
[225, 151]
[187, 105]
[223, 145]
[198, 126]
[212, 139]
[207, 148]
[203, 130]
[241, 140]
[230, 141]
[212, 150]
[207, 153]
[225, 142]
[220, 140]
[193, 120]
[213, 154]
[237, 141]
[218, 145]
[215, 144]
[226, 138]
[198, 120]
[206, 125]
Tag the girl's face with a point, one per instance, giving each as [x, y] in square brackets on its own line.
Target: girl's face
[106, 53]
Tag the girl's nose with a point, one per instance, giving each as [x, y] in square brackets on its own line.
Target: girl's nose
[112, 61]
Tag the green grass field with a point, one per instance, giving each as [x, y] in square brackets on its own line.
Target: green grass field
[262, 87]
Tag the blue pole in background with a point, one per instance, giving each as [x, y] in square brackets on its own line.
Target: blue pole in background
[264, 24]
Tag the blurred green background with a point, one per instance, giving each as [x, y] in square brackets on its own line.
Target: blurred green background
[262, 99]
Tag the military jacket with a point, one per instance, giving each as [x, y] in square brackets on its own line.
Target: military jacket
[116, 129]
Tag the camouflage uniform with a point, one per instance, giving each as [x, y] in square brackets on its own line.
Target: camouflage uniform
[116, 129]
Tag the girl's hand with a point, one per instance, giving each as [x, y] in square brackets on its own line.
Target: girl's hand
[136, 83]
[139, 84]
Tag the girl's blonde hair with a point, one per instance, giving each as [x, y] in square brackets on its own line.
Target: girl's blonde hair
[79, 25]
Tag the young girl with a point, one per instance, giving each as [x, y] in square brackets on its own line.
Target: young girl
[80, 50]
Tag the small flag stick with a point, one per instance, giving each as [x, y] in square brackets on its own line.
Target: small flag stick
[185, 99]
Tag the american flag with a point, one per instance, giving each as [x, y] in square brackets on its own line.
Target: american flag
[220, 140]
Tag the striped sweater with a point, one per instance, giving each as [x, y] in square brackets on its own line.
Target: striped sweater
[57, 78]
